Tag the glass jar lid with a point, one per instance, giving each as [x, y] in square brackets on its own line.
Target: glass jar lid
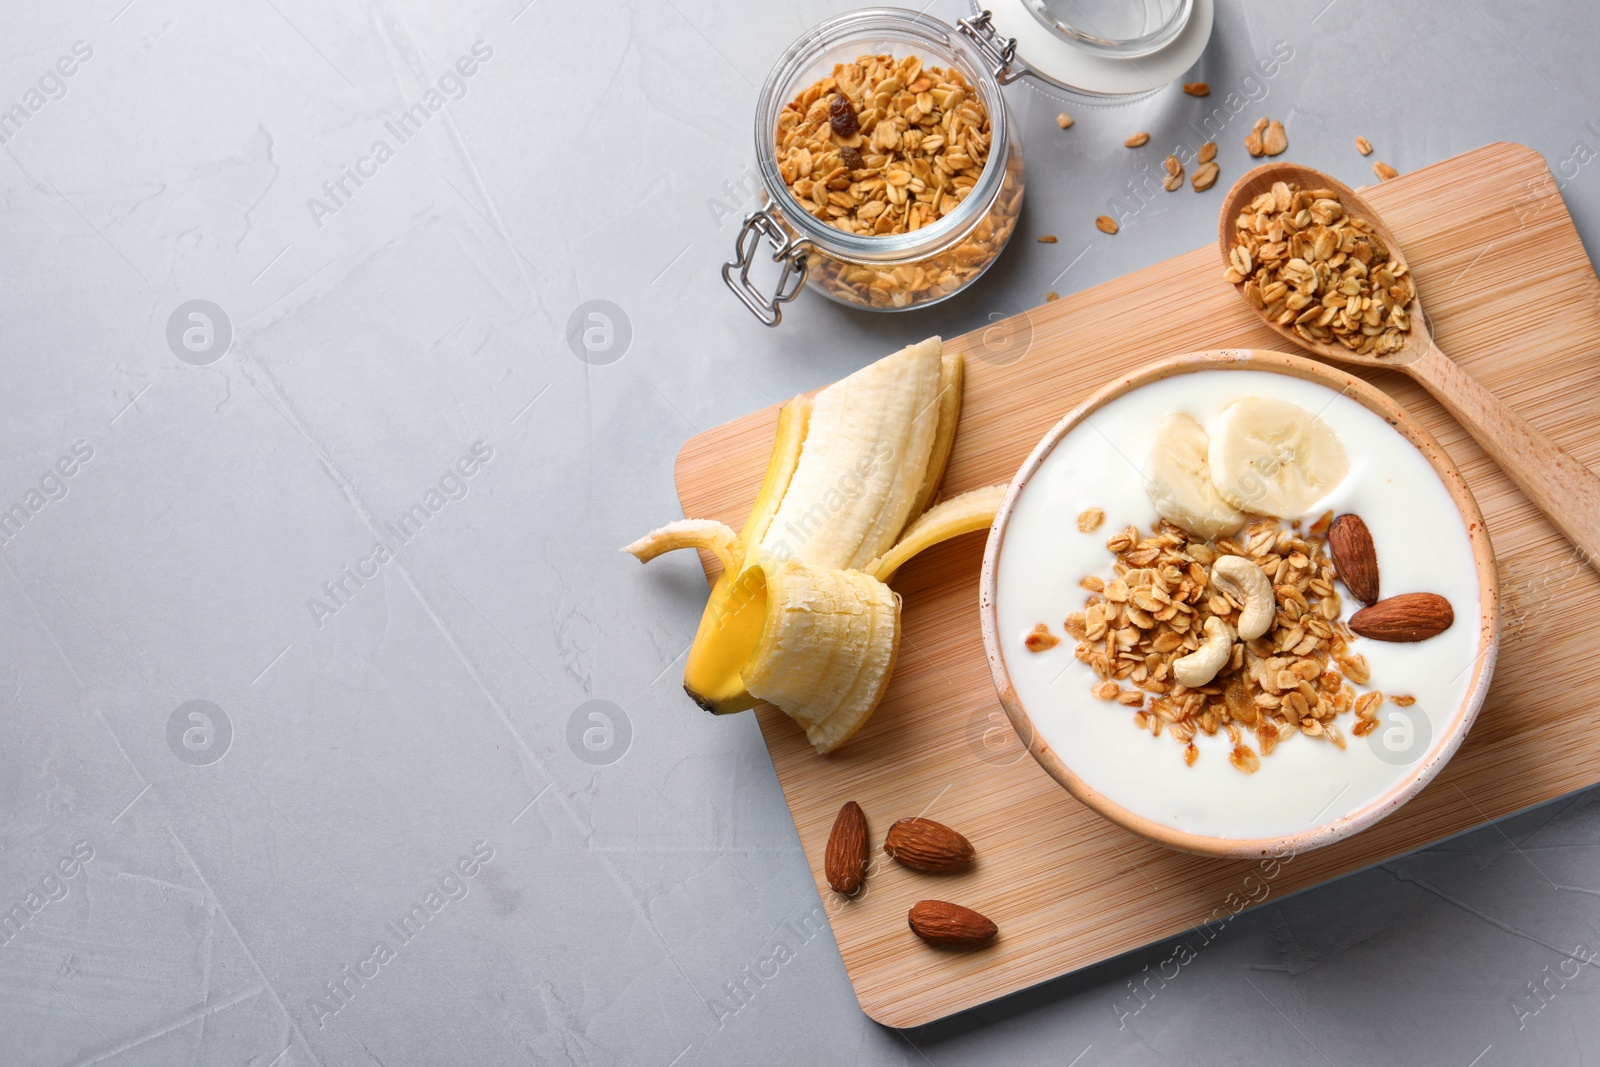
[1098, 52]
[1125, 28]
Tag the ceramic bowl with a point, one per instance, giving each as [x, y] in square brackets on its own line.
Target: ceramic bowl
[1308, 792]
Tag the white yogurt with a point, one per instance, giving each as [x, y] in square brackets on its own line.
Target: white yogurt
[1422, 545]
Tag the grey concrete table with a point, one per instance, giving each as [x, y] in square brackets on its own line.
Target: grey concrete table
[336, 729]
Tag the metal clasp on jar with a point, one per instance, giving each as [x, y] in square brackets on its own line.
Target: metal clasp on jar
[1001, 52]
[788, 252]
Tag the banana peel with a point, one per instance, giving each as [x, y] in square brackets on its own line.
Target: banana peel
[801, 616]
[827, 647]
[736, 609]
[967, 513]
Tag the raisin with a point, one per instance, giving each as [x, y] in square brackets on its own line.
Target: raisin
[842, 117]
[851, 157]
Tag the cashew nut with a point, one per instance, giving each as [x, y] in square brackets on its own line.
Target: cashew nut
[1202, 665]
[1249, 585]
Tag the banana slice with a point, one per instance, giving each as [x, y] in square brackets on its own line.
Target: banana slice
[1178, 480]
[1271, 457]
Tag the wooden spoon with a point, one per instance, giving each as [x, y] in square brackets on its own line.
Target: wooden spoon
[1565, 490]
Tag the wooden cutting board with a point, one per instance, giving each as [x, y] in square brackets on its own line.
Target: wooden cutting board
[1511, 295]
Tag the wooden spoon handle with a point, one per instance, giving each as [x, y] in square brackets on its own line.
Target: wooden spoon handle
[1565, 490]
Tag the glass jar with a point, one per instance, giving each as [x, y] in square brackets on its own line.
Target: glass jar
[889, 272]
[1096, 52]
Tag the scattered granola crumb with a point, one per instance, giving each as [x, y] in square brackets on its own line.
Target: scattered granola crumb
[1048, 239]
[1363, 146]
[1197, 88]
[1205, 176]
[1207, 153]
[1174, 179]
[1040, 639]
[1064, 120]
[1252, 140]
[1107, 690]
[1106, 224]
[1404, 701]
[1243, 758]
[1052, 295]
[1090, 520]
[1274, 140]
[1138, 140]
[1384, 171]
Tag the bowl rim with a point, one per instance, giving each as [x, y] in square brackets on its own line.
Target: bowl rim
[1374, 400]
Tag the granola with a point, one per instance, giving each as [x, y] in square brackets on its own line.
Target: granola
[1174, 179]
[1321, 271]
[883, 145]
[886, 146]
[1296, 677]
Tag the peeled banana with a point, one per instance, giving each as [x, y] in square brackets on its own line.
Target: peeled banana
[801, 616]
[862, 466]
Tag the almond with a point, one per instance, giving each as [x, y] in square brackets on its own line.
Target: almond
[1354, 556]
[1407, 617]
[938, 922]
[846, 859]
[925, 845]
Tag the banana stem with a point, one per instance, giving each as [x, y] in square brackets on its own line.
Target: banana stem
[689, 533]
